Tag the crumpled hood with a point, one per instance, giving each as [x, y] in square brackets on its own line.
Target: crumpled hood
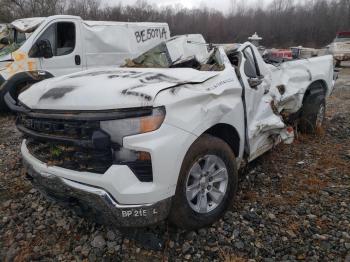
[108, 88]
[27, 25]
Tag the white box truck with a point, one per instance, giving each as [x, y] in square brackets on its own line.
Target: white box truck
[59, 45]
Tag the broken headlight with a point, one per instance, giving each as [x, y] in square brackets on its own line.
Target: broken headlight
[118, 129]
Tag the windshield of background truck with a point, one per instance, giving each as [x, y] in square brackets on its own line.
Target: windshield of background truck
[342, 38]
[16, 40]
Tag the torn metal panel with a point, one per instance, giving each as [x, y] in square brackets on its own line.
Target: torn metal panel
[296, 76]
[27, 25]
[179, 51]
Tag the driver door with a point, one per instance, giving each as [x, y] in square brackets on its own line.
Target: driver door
[66, 48]
[260, 118]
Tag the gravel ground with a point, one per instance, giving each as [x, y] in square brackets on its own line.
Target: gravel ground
[293, 204]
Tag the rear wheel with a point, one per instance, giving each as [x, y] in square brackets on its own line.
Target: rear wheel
[207, 183]
[313, 113]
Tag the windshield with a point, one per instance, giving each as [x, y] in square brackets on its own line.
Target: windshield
[15, 41]
[342, 38]
[179, 52]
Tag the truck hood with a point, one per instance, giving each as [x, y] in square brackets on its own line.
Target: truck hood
[108, 88]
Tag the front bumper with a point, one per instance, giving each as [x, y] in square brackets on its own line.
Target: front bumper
[95, 202]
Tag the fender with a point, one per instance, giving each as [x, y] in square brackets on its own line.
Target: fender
[318, 87]
[10, 85]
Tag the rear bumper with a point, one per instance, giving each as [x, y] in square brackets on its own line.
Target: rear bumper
[342, 57]
[95, 202]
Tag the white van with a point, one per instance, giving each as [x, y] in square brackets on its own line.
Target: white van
[57, 45]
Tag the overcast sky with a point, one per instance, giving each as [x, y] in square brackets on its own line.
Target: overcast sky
[222, 5]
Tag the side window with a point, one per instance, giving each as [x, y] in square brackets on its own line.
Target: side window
[250, 66]
[65, 38]
[61, 36]
[20, 38]
[50, 34]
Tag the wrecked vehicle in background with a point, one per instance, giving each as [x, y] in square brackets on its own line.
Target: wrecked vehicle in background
[3, 34]
[165, 135]
[15, 34]
[301, 52]
[277, 55]
[340, 48]
[58, 45]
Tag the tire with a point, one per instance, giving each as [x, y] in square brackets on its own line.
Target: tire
[206, 149]
[337, 63]
[312, 113]
[15, 92]
[20, 89]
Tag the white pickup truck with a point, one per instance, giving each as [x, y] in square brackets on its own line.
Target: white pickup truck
[165, 135]
[39, 48]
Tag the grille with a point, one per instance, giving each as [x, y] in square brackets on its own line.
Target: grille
[73, 129]
[76, 145]
[71, 157]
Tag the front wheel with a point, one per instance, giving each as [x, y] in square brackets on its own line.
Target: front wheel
[207, 183]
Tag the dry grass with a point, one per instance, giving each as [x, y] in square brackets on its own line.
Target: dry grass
[228, 257]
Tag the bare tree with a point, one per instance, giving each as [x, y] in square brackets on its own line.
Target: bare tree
[282, 23]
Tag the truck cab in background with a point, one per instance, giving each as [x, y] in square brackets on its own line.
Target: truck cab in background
[340, 48]
[58, 45]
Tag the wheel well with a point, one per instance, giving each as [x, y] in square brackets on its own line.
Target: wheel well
[227, 133]
[319, 85]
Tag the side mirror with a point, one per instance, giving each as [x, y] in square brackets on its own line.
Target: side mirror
[42, 49]
[5, 41]
[254, 82]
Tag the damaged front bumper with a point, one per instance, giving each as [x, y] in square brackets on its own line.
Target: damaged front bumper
[94, 202]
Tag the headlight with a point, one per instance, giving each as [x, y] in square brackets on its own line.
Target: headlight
[118, 129]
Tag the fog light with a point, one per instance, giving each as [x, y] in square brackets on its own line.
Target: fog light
[138, 161]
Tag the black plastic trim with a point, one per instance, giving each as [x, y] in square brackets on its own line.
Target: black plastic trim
[52, 138]
[86, 115]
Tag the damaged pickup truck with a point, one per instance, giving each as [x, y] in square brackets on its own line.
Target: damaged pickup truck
[165, 135]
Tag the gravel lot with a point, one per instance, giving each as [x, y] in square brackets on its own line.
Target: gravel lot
[293, 204]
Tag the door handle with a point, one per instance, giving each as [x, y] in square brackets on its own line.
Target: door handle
[77, 60]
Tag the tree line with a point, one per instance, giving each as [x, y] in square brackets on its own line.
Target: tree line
[282, 23]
